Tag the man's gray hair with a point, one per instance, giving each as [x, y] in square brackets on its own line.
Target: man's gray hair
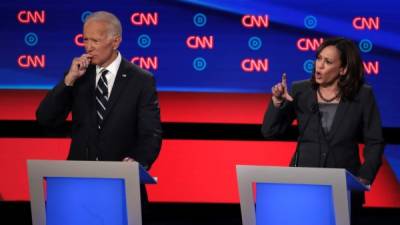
[115, 27]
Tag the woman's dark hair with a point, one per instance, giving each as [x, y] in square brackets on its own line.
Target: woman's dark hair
[351, 82]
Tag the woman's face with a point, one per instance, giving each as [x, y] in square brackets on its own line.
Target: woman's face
[328, 67]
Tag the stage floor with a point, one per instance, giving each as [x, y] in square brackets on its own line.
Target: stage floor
[195, 214]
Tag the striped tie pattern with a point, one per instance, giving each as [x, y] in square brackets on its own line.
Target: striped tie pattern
[101, 98]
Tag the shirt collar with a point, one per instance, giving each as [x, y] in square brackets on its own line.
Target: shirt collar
[113, 67]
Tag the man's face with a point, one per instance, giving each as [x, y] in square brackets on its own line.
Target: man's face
[99, 43]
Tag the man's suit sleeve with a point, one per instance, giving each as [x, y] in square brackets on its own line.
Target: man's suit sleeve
[149, 125]
[54, 108]
[372, 134]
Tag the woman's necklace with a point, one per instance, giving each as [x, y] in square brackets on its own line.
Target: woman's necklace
[325, 99]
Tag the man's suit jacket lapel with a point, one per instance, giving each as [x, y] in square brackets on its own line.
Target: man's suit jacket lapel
[119, 85]
[92, 99]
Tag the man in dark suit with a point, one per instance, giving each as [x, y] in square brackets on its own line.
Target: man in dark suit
[115, 111]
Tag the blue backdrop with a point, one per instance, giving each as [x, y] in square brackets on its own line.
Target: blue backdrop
[228, 52]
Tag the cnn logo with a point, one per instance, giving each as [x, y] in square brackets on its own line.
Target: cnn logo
[31, 61]
[196, 42]
[146, 62]
[309, 44]
[366, 23]
[141, 19]
[254, 65]
[253, 21]
[35, 17]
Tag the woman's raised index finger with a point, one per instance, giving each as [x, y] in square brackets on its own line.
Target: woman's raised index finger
[284, 79]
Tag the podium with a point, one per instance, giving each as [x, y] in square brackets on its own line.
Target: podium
[86, 192]
[295, 195]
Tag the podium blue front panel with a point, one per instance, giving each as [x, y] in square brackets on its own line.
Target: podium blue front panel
[85, 201]
[299, 204]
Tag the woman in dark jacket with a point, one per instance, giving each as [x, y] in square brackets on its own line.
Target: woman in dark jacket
[333, 109]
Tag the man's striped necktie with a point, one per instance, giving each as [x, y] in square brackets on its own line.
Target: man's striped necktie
[101, 98]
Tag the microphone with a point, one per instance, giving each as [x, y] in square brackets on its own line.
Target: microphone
[314, 109]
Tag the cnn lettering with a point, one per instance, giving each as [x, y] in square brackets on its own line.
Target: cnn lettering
[34, 17]
[146, 62]
[309, 44]
[196, 42]
[254, 21]
[144, 19]
[78, 40]
[254, 65]
[371, 67]
[31, 61]
[366, 23]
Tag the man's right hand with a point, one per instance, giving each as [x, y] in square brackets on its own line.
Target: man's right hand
[280, 92]
[77, 69]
